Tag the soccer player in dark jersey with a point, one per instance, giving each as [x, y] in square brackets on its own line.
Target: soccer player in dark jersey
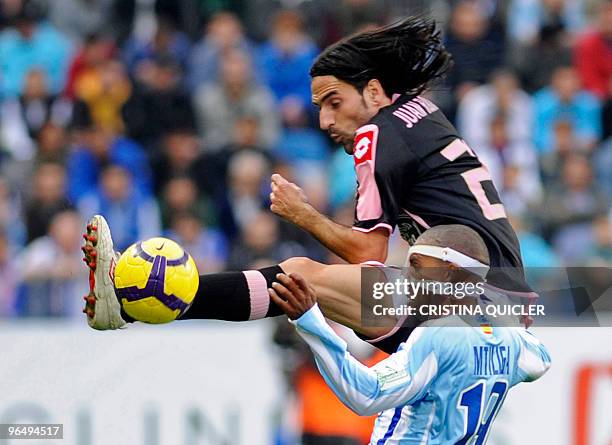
[413, 169]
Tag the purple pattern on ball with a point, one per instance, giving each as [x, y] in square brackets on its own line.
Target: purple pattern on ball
[155, 286]
[148, 258]
[142, 254]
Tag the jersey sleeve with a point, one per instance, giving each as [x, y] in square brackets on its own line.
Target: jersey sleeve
[533, 358]
[404, 377]
[384, 168]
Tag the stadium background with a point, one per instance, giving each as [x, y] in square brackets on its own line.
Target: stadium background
[169, 116]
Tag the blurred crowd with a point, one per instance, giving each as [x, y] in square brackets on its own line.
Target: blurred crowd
[168, 117]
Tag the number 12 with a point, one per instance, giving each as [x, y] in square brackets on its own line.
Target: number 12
[478, 420]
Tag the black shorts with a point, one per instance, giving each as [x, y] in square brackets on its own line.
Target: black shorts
[391, 343]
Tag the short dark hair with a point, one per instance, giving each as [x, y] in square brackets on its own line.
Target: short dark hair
[461, 238]
[405, 57]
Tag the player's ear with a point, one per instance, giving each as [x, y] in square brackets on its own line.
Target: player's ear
[451, 271]
[375, 93]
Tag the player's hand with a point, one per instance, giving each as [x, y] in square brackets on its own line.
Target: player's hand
[288, 200]
[292, 294]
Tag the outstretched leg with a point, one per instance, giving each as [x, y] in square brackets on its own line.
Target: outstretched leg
[235, 296]
[231, 296]
[241, 296]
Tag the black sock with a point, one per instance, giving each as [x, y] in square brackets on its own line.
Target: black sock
[235, 296]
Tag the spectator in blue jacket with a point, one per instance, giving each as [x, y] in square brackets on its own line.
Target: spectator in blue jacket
[286, 58]
[32, 44]
[564, 100]
[131, 215]
[223, 32]
[102, 147]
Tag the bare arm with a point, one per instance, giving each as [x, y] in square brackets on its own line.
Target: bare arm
[289, 202]
[351, 245]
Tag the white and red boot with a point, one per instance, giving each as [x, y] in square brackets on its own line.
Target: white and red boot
[102, 308]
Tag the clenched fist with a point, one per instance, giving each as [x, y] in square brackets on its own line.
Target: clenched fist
[288, 200]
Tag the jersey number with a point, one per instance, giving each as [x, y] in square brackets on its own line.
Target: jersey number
[479, 415]
[474, 179]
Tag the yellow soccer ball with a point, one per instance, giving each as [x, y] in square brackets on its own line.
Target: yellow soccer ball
[156, 280]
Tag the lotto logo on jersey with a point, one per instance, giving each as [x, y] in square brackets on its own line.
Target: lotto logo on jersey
[365, 143]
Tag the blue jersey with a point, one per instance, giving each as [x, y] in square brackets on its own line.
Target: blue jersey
[444, 385]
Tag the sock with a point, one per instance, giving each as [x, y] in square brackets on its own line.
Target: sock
[235, 296]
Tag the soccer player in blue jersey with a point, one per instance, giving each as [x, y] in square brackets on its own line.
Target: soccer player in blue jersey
[446, 383]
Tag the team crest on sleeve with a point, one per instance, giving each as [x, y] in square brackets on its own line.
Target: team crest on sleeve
[365, 143]
[392, 372]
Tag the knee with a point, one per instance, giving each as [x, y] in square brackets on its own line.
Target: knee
[304, 266]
